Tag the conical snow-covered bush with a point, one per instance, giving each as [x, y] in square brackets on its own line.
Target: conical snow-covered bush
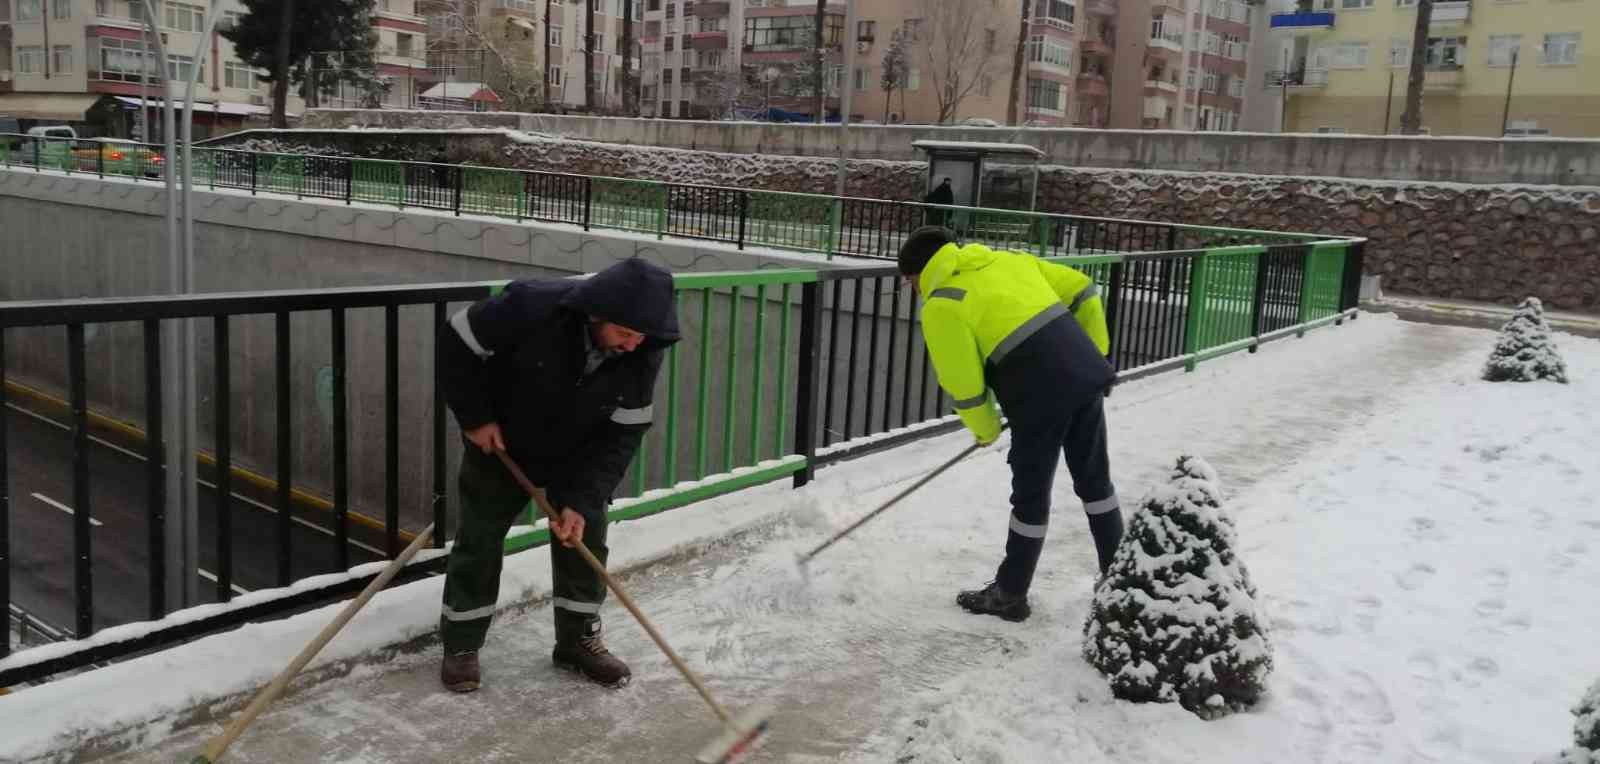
[1175, 617]
[1524, 352]
[1585, 732]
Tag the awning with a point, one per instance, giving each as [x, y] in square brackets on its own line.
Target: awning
[227, 108]
[55, 107]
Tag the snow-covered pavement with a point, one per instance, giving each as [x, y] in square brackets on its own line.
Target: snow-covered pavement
[1427, 547]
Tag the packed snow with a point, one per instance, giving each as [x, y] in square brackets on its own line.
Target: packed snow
[1423, 544]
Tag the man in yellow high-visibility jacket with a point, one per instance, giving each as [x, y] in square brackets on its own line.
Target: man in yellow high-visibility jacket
[1033, 333]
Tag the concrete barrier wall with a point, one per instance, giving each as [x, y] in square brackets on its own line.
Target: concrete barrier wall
[1448, 159]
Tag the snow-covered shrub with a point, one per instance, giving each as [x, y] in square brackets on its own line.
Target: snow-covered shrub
[1585, 732]
[1175, 617]
[1524, 351]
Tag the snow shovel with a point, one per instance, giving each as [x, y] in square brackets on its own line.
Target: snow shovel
[805, 559]
[740, 736]
[214, 750]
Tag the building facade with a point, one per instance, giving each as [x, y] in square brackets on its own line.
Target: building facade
[1185, 64]
[1522, 67]
[88, 61]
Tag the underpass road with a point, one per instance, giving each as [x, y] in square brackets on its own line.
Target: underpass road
[42, 556]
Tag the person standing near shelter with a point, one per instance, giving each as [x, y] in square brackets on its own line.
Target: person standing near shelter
[558, 373]
[943, 194]
[1035, 334]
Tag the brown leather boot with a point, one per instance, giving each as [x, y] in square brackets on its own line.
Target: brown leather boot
[589, 657]
[459, 672]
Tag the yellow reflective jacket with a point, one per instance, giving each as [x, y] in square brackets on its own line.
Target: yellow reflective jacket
[979, 304]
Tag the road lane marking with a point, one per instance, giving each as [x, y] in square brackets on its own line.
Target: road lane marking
[64, 508]
[239, 497]
[212, 577]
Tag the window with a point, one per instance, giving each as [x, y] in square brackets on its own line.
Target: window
[1048, 50]
[1208, 83]
[30, 59]
[1044, 94]
[1345, 55]
[61, 10]
[1332, 130]
[30, 10]
[1561, 49]
[122, 60]
[1236, 87]
[598, 44]
[598, 6]
[186, 18]
[1233, 47]
[179, 68]
[1525, 127]
[1056, 13]
[671, 43]
[710, 59]
[1446, 52]
[231, 19]
[861, 78]
[1189, 79]
[1213, 43]
[1502, 47]
[913, 79]
[555, 77]
[718, 24]
[1399, 53]
[914, 30]
[1354, 5]
[1167, 28]
[788, 33]
[402, 45]
[61, 59]
[236, 75]
[666, 76]
[866, 31]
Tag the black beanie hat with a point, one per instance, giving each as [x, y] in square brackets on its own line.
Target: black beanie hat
[920, 247]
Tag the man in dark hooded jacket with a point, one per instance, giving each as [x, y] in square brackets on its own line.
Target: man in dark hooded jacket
[558, 373]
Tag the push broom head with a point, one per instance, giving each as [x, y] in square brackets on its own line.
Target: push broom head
[738, 739]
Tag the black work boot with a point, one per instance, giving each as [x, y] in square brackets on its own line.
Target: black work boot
[992, 600]
[459, 672]
[587, 655]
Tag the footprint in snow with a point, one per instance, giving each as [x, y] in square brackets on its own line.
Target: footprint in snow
[1415, 576]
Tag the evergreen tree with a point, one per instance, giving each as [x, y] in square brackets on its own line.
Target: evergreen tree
[328, 41]
[1175, 617]
[1524, 352]
[1585, 732]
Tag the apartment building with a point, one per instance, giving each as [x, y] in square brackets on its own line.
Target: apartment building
[1516, 65]
[1186, 65]
[87, 62]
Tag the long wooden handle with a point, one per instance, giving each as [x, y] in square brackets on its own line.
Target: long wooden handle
[611, 583]
[219, 744]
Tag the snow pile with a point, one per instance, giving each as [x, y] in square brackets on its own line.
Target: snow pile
[1525, 352]
[1175, 617]
[1585, 732]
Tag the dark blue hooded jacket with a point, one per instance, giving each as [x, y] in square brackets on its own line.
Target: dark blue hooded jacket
[517, 358]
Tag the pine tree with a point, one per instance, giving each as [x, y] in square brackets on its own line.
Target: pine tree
[1175, 617]
[327, 41]
[1585, 732]
[1524, 352]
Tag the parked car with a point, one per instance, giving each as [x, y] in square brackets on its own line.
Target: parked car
[52, 144]
[117, 156]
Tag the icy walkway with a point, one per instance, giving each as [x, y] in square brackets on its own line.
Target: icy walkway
[1426, 546]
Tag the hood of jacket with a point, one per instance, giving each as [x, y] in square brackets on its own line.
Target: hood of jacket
[950, 260]
[634, 293]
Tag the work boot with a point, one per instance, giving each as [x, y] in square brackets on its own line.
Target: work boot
[992, 600]
[459, 672]
[588, 656]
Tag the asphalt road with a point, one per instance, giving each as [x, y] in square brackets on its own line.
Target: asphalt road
[39, 454]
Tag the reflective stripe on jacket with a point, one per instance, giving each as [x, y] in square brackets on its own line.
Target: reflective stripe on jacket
[980, 304]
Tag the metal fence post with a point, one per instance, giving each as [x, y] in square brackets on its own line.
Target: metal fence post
[100, 162]
[349, 181]
[663, 210]
[835, 215]
[1194, 326]
[809, 380]
[1354, 256]
[1259, 298]
[588, 200]
[461, 180]
[1113, 301]
[744, 214]
[36, 167]
[253, 157]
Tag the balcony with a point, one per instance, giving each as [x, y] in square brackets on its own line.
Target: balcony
[1156, 107]
[1094, 47]
[709, 41]
[1298, 78]
[1101, 7]
[1451, 13]
[1170, 46]
[410, 18]
[1158, 87]
[711, 10]
[1307, 21]
[1443, 78]
[1092, 86]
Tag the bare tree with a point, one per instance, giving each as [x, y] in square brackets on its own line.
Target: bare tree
[726, 92]
[549, 86]
[895, 67]
[630, 92]
[1411, 119]
[957, 51]
[1017, 58]
[588, 58]
[510, 44]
